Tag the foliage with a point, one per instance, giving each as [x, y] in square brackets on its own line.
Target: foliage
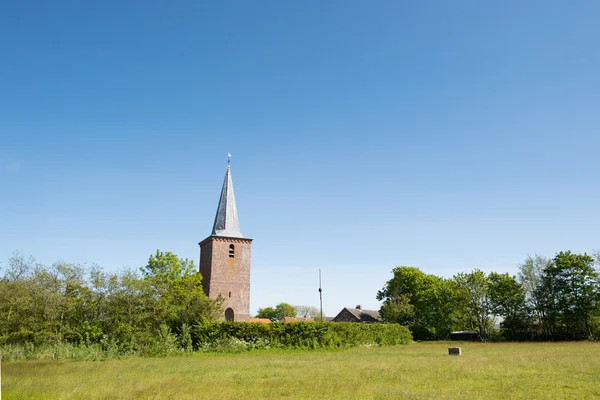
[268, 313]
[549, 299]
[312, 335]
[280, 311]
[178, 287]
[429, 297]
[507, 297]
[571, 291]
[307, 311]
[185, 340]
[70, 303]
[398, 310]
[530, 277]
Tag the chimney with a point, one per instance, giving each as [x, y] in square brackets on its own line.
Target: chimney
[359, 307]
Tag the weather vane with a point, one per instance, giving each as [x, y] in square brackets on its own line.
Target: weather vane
[228, 159]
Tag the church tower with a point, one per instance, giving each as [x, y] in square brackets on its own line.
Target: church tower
[225, 258]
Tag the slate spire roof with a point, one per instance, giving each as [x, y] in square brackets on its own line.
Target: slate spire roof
[226, 220]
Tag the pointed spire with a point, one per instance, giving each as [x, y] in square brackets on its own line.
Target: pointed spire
[226, 220]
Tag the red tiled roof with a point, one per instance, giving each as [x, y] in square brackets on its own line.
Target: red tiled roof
[260, 320]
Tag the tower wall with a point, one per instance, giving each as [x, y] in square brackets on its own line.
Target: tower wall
[225, 276]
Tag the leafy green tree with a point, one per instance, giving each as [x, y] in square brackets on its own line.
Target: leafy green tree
[530, 277]
[285, 310]
[307, 311]
[129, 307]
[431, 297]
[178, 288]
[474, 296]
[125, 310]
[280, 311]
[506, 295]
[398, 310]
[18, 321]
[165, 269]
[571, 287]
[507, 299]
[19, 268]
[268, 313]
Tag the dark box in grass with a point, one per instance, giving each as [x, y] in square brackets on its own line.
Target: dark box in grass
[454, 351]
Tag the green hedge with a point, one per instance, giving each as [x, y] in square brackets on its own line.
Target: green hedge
[232, 336]
[218, 337]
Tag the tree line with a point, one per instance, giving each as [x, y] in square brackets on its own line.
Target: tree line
[549, 299]
[283, 310]
[72, 303]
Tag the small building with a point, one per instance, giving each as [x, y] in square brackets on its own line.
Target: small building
[357, 315]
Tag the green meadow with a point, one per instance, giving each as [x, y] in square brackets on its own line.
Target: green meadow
[419, 371]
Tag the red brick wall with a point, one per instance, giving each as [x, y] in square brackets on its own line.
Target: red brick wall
[225, 276]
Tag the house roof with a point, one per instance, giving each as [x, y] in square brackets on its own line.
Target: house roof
[260, 320]
[226, 220]
[363, 315]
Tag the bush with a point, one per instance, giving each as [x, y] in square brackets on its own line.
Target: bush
[224, 337]
[307, 335]
[165, 343]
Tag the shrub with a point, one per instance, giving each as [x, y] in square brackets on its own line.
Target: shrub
[224, 337]
[165, 343]
[311, 335]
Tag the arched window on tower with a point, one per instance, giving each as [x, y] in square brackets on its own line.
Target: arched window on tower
[231, 251]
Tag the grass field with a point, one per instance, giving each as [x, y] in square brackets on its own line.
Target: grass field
[419, 371]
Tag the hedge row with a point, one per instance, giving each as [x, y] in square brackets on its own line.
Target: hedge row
[313, 335]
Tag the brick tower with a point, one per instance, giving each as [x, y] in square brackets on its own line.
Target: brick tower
[225, 259]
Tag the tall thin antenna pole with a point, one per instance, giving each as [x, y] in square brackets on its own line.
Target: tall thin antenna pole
[320, 295]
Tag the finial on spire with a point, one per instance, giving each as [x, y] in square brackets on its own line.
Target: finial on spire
[228, 159]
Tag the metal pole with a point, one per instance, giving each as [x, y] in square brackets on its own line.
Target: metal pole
[320, 295]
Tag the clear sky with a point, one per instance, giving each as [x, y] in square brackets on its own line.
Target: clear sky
[446, 135]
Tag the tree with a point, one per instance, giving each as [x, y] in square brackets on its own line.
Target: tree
[571, 289]
[307, 311]
[507, 299]
[280, 311]
[18, 267]
[73, 303]
[431, 299]
[268, 313]
[178, 288]
[530, 277]
[285, 310]
[164, 269]
[474, 295]
[398, 310]
[506, 295]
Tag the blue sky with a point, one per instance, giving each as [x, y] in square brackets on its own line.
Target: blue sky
[443, 135]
